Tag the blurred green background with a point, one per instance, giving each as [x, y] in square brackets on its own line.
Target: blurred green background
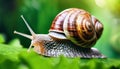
[40, 14]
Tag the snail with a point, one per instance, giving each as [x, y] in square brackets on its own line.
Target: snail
[73, 33]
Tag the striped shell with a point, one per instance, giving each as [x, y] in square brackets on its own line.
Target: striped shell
[78, 26]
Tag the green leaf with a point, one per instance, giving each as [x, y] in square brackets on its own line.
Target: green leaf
[23, 66]
[9, 58]
[75, 64]
[2, 39]
[15, 42]
[35, 61]
[63, 63]
[9, 52]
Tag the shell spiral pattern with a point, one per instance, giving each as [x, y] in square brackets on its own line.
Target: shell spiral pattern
[78, 26]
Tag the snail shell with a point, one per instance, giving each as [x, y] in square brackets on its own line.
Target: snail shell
[73, 32]
[78, 26]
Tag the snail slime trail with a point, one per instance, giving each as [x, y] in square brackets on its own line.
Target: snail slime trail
[73, 33]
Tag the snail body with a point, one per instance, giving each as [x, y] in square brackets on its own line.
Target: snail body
[73, 32]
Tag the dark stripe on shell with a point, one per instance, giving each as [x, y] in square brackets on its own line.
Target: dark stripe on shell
[57, 24]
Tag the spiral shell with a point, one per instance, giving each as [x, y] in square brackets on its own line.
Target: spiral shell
[78, 26]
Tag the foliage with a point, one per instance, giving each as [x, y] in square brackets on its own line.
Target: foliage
[14, 56]
[1, 39]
